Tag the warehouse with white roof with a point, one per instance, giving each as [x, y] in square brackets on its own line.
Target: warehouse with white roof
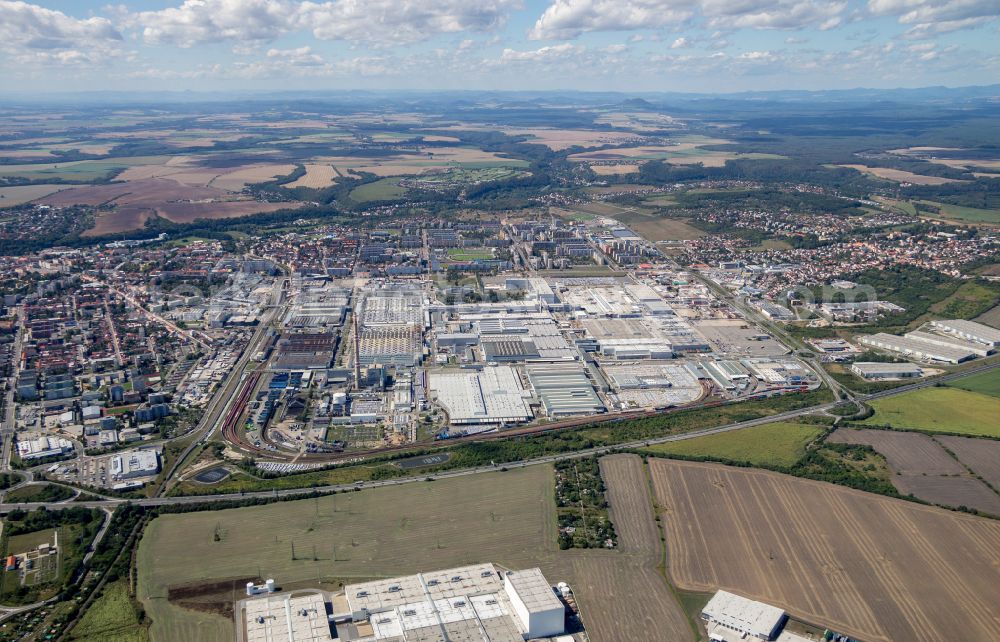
[471, 603]
[732, 617]
[492, 395]
[969, 330]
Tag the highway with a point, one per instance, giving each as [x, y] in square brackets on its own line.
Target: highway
[785, 416]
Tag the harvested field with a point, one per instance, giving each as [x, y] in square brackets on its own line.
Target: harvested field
[630, 504]
[950, 491]
[440, 139]
[146, 192]
[187, 212]
[120, 220]
[661, 228]
[991, 317]
[901, 176]
[643, 606]
[554, 139]
[26, 193]
[907, 453]
[611, 170]
[136, 201]
[317, 176]
[656, 614]
[873, 567]
[982, 456]
[235, 181]
[644, 152]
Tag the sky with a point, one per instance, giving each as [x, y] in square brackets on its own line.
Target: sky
[593, 45]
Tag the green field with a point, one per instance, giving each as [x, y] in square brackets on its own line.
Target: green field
[940, 410]
[469, 254]
[965, 214]
[506, 517]
[113, 616]
[39, 493]
[385, 189]
[777, 444]
[987, 383]
[971, 299]
[80, 171]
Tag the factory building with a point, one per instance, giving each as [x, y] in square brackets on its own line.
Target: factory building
[977, 349]
[969, 330]
[564, 390]
[471, 603]
[917, 349]
[134, 463]
[43, 446]
[391, 345]
[493, 395]
[287, 618]
[731, 617]
[630, 349]
[877, 370]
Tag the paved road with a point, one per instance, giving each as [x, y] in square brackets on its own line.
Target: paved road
[223, 396]
[163, 501]
[7, 429]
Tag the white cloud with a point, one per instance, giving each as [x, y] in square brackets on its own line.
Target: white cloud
[203, 21]
[930, 17]
[680, 43]
[373, 21]
[567, 19]
[30, 34]
[563, 50]
[772, 14]
[614, 49]
[401, 22]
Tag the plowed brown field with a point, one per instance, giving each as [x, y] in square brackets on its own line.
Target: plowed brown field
[869, 566]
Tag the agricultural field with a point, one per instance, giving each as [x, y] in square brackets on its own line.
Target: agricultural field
[555, 139]
[987, 383]
[991, 317]
[907, 453]
[982, 456]
[317, 176]
[777, 444]
[17, 194]
[385, 189]
[872, 567]
[959, 213]
[957, 492]
[684, 153]
[420, 526]
[900, 176]
[656, 614]
[613, 170]
[947, 410]
[660, 228]
[81, 171]
[113, 616]
[923, 468]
